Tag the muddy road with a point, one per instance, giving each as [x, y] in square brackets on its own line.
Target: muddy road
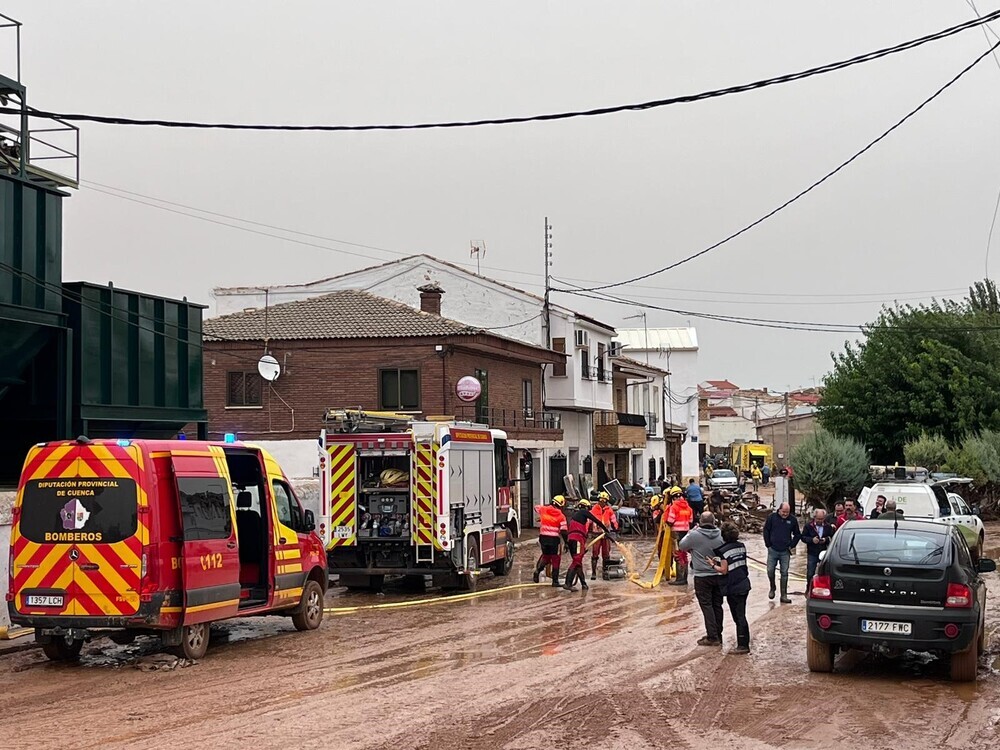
[614, 667]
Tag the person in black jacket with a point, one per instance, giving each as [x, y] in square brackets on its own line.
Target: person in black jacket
[577, 540]
[781, 533]
[731, 563]
[816, 536]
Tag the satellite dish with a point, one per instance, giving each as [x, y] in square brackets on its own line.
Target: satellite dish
[268, 368]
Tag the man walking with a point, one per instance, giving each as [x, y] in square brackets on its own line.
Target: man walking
[781, 533]
[551, 532]
[603, 547]
[702, 542]
[816, 536]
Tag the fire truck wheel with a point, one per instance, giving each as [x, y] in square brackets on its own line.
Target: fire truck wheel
[503, 567]
[59, 650]
[471, 577]
[194, 641]
[309, 613]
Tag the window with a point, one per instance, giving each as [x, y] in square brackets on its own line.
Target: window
[243, 389]
[600, 362]
[585, 364]
[527, 399]
[483, 402]
[287, 507]
[559, 368]
[204, 508]
[502, 468]
[399, 389]
[73, 509]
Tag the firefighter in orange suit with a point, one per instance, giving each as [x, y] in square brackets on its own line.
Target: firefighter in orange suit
[579, 523]
[680, 516]
[551, 534]
[609, 518]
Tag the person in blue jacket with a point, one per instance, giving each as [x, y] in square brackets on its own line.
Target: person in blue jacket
[781, 533]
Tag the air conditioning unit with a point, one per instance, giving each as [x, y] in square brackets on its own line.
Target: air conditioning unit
[582, 339]
[615, 349]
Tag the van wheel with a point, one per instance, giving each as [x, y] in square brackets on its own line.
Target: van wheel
[964, 664]
[819, 655]
[194, 641]
[309, 613]
[59, 650]
[504, 567]
[470, 579]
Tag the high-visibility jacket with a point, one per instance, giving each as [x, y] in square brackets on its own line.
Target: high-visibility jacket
[680, 515]
[606, 515]
[552, 519]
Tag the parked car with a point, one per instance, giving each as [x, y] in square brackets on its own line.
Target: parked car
[722, 479]
[892, 586]
[932, 502]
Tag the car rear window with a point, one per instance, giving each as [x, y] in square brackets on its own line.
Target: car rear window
[870, 546]
[79, 509]
[723, 474]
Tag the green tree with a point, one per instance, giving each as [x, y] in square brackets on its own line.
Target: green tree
[932, 368]
[930, 451]
[977, 457]
[828, 467]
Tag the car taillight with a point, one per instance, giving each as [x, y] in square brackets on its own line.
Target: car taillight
[142, 571]
[959, 596]
[821, 588]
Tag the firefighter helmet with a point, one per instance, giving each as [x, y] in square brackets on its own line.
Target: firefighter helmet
[603, 496]
[676, 491]
[654, 502]
[584, 503]
[559, 501]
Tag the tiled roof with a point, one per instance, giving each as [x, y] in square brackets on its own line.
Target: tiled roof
[347, 314]
[721, 385]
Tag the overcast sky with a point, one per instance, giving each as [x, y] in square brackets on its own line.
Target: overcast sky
[626, 193]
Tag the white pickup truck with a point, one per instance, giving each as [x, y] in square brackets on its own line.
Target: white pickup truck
[931, 501]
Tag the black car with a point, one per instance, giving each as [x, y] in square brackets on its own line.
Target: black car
[893, 585]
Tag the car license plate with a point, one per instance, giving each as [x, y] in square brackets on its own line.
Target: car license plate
[343, 532]
[38, 600]
[885, 626]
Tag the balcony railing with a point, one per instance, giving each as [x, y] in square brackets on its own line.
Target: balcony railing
[585, 370]
[524, 419]
[619, 430]
[619, 418]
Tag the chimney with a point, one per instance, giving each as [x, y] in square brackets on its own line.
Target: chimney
[430, 298]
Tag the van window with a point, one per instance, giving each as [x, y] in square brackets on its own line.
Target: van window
[79, 510]
[284, 502]
[917, 501]
[204, 508]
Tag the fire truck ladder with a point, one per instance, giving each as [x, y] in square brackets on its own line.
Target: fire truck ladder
[422, 521]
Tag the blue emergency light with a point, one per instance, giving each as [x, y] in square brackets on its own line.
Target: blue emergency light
[124, 443]
[230, 437]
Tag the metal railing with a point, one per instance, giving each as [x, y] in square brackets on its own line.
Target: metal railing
[651, 422]
[512, 418]
[619, 419]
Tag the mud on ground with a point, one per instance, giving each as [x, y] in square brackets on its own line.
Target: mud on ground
[615, 667]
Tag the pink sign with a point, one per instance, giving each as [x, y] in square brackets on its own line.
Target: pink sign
[468, 388]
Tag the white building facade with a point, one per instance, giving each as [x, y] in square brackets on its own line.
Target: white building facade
[674, 350]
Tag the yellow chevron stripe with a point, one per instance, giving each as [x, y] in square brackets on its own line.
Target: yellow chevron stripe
[45, 566]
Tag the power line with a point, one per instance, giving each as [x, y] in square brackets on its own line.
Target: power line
[807, 190]
[635, 107]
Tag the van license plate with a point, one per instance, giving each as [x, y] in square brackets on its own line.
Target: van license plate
[884, 626]
[37, 600]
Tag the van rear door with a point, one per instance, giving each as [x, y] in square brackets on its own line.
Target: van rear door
[211, 558]
[78, 541]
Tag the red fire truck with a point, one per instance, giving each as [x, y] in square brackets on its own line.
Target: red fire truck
[402, 497]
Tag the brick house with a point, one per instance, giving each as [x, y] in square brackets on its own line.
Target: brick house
[354, 349]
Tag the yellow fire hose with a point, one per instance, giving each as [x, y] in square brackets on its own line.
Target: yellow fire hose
[665, 541]
[434, 600]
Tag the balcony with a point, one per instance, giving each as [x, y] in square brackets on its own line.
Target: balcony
[517, 423]
[619, 430]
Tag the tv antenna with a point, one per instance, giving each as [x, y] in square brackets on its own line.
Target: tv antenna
[477, 250]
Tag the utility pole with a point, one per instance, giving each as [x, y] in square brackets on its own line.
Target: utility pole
[788, 445]
[548, 277]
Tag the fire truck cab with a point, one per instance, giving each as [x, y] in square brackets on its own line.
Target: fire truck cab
[414, 498]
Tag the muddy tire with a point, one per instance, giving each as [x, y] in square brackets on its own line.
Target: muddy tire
[819, 655]
[309, 614]
[981, 638]
[504, 567]
[977, 552]
[194, 641]
[964, 664]
[470, 579]
[59, 650]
